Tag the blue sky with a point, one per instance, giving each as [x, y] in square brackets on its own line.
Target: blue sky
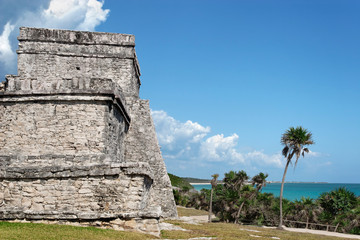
[226, 78]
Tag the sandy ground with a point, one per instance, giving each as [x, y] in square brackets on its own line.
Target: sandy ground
[200, 183]
[204, 218]
[319, 232]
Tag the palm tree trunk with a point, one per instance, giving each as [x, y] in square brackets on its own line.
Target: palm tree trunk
[238, 213]
[210, 208]
[241, 206]
[281, 192]
[307, 222]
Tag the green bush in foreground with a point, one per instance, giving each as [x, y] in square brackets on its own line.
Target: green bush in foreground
[337, 201]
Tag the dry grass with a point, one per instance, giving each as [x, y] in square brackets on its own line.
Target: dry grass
[182, 212]
[227, 231]
[230, 231]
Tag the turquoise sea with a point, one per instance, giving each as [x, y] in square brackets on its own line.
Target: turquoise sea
[293, 191]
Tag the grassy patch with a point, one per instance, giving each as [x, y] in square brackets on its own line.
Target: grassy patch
[230, 231]
[184, 212]
[38, 231]
[226, 231]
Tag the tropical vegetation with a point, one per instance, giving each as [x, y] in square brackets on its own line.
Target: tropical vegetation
[237, 200]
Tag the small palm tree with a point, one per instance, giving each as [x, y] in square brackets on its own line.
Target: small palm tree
[229, 180]
[213, 185]
[294, 140]
[259, 181]
[240, 178]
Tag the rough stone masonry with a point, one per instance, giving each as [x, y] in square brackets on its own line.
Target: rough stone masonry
[77, 144]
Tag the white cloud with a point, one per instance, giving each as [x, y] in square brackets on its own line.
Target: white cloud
[312, 154]
[262, 158]
[173, 134]
[94, 15]
[59, 8]
[62, 14]
[74, 14]
[220, 148]
[6, 54]
[189, 141]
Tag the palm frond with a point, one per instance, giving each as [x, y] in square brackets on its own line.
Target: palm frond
[297, 159]
[305, 150]
[294, 140]
[285, 151]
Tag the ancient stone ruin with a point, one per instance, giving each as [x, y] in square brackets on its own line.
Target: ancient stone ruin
[77, 144]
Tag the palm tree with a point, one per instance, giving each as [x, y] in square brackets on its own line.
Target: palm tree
[229, 180]
[239, 180]
[234, 181]
[259, 181]
[213, 185]
[294, 140]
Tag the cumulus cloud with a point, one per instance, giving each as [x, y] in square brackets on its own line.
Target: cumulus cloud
[260, 157]
[64, 14]
[74, 14]
[191, 142]
[94, 15]
[219, 148]
[173, 134]
[6, 54]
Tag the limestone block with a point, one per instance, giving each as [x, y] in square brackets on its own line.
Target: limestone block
[37, 207]
[132, 224]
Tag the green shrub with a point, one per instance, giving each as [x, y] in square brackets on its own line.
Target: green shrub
[338, 201]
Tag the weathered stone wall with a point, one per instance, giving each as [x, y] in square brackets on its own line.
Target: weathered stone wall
[42, 128]
[83, 198]
[142, 145]
[49, 55]
[76, 142]
[63, 145]
[107, 201]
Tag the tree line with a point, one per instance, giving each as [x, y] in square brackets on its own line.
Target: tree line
[240, 201]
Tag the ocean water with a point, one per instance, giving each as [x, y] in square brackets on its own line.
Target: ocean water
[293, 191]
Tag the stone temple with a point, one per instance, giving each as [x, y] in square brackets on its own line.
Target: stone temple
[77, 144]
